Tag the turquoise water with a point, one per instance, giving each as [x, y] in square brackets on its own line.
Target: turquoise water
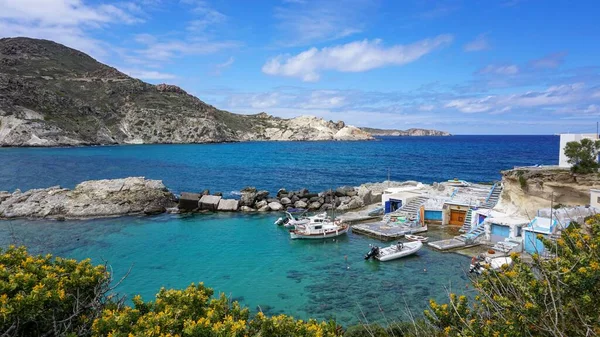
[248, 257]
[253, 261]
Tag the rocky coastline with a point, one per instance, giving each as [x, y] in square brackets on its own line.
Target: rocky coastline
[137, 195]
[89, 199]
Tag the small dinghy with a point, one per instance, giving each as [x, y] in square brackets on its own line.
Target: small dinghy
[480, 264]
[291, 221]
[394, 251]
[420, 238]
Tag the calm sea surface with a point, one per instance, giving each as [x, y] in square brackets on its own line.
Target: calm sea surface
[246, 256]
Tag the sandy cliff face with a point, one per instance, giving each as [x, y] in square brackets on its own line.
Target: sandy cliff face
[528, 189]
[52, 95]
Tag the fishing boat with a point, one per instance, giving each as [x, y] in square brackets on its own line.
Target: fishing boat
[480, 264]
[394, 251]
[319, 227]
[411, 237]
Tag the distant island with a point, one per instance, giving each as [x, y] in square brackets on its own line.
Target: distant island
[53, 95]
[409, 132]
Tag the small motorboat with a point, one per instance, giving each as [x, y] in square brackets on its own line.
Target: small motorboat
[320, 227]
[291, 221]
[411, 237]
[394, 251]
[480, 264]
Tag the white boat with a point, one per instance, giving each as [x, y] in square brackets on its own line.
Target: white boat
[411, 237]
[319, 227]
[394, 251]
[479, 265]
[290, 221]
[458, 183]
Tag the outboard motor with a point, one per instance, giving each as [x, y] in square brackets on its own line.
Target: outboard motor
[374, 251]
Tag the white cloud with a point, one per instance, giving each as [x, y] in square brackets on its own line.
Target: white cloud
[480, 43]
[549, 61]
[222, 66]
[64, 21]
[306, 22]
[356, 56]
[160, 49]
[206, 17]
[426, 107]
[553, 97]
[472, 105]
[500, 69]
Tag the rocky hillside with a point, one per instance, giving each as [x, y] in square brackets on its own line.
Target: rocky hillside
[409, 132]
[53, 95]
[528, 189]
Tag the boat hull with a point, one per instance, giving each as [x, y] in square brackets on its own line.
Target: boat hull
[388, 253]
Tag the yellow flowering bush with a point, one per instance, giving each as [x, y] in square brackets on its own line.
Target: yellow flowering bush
[43, 295]
[549, 297]
[193, 312]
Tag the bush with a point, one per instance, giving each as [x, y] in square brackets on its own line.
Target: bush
[552, 297]
[523, 183]
[46, 296]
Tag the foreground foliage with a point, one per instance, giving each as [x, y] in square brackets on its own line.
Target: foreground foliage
[46, 296]
[193, 312]
[553, 297]
[583, 155]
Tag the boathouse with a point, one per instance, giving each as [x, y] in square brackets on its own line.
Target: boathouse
[394, 198]
[454, 213]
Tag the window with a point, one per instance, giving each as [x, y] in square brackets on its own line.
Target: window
[598, 200]
[318, 227]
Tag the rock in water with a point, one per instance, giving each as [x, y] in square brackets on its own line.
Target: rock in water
[209, 202]
[300, 204]
[365, 194]
[275, 206]
[90, 199]
[228, 205]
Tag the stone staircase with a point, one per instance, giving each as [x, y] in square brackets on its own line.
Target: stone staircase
[412, 207]
[471, 234]
[466, 227]
[494, 196]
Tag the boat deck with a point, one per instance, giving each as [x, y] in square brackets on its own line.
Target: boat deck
[384, 231]
[450, 244]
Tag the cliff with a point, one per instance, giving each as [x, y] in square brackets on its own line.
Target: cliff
[409, 132]
[52, 95]
[528, 189]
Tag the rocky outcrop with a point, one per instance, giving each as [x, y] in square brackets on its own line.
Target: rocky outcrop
[90, 199]
[409, 132]
[527, 189]
[52, 95]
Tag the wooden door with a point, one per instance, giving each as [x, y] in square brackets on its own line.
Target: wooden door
[457, 217]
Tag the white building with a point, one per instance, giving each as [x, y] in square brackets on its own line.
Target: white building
[571, 137]
[595, 198]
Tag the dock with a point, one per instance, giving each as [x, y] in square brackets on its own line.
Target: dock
[451, 244]
[385, 231]
[360, 216]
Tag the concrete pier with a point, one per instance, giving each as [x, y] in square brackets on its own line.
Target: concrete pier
[386, 232]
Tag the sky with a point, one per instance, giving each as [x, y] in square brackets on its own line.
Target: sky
[466, 67]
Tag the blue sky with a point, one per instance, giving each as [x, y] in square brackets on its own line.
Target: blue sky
[467, 67]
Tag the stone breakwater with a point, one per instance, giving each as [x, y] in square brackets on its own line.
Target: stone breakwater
[90, 199]
[252, 200]
[137, 195]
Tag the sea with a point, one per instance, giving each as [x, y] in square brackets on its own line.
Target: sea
[246, 256]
